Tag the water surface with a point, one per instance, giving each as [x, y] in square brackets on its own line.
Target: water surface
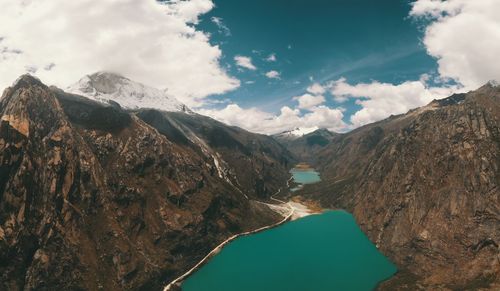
[304, 176]
[319, 252]
[308, 176]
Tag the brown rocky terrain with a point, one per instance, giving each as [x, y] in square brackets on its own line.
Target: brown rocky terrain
[95, 197]
[424, 186]
[306, 147]
[254, 163]
[92, 197]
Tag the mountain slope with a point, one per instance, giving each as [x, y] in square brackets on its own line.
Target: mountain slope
[307, 146]
[105, 86]
[255, 164]
[424, 186]
[93, 198]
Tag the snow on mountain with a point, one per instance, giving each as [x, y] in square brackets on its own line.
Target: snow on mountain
[105, 86]
[296, 133]
[493, 83]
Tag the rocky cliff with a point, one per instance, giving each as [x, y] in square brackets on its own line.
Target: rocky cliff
[94, 198]
[424, 186]
[255, 164]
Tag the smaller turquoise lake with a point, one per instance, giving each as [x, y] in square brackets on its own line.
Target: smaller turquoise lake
[309, 176]
[319, 252]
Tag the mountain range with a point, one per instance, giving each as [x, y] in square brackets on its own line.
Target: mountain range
[113, 185]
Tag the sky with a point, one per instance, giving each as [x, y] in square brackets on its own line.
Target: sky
[265, 65]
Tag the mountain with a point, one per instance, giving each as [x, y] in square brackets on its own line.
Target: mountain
[255, 164]
[106, 86]
[294, 133]
[424, 187]
[252, 163]
[92, 197]
[306, 147]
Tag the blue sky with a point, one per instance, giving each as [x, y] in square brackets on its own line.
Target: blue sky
[360, 40]
[339, 64]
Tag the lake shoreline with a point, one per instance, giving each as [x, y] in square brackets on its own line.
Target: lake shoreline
[316, 241]
[293, 208]
[296, 211]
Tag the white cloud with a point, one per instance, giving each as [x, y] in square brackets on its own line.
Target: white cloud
[464, 36]
[152, 43]
[308, 101]
[380, 100]
[244, 62]
[316, 89]
[273, 75]
[223, 29]
[256, 120]
[271, 58]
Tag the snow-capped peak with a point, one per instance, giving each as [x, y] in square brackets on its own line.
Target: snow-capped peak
[297, 132]
[493, 83]
[105, 86]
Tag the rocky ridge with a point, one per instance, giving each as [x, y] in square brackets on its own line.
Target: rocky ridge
[424, 186]
[94, 198]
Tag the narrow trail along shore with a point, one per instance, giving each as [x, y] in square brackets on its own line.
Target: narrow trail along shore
[289, 216]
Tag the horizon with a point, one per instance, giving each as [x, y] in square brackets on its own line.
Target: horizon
[265, 67]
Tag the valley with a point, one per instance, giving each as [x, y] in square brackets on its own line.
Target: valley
[137, 198]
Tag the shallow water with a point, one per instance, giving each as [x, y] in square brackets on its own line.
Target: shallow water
[319, 252]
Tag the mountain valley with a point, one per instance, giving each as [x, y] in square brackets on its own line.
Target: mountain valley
[96, 196]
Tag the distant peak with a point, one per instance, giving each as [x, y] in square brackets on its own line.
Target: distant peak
[490, 85]
[107, 74]
[493, 83]
[27, 80]
[298, 131]
[104, 86]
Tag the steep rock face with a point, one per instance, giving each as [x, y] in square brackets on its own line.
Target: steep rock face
[424, 186]
[93, 198]
[256, 164]
[306, 147]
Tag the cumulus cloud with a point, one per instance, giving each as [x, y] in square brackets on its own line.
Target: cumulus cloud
[271, 58]
[464, 36]
[316, 89]
[273, 75]
[156, 44]
[380, 100]
[244, 62]
[468, 58]
[308, 101]
[256, 120]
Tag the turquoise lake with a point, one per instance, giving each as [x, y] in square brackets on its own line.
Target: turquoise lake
[320, 252]
[305, 176]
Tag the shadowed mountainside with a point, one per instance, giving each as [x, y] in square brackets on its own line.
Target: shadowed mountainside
[256, 164]
[94, 198]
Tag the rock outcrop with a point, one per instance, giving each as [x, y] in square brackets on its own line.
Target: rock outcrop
[94, 198]
[424, 186]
